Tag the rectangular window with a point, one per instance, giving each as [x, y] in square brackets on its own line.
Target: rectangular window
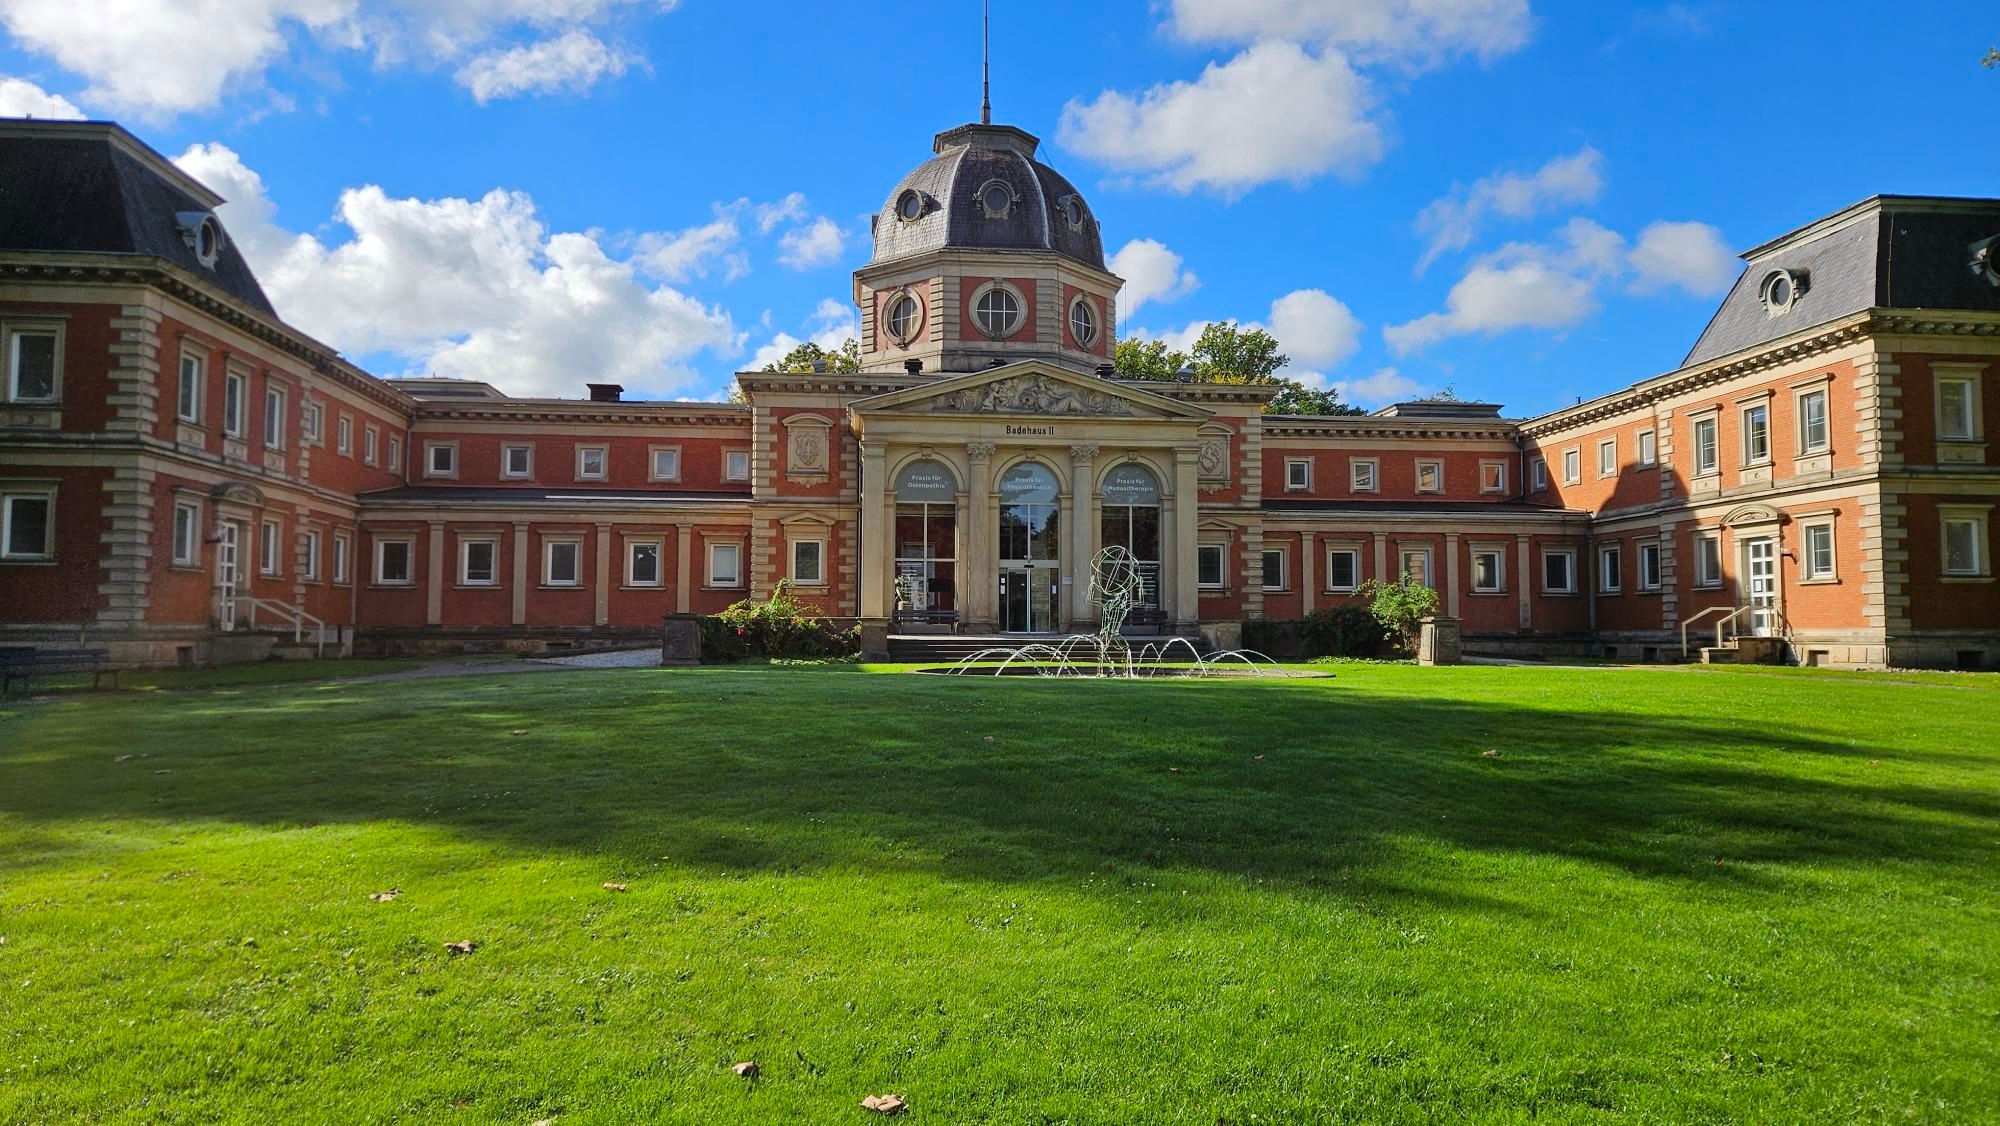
[1430, 475]
[274, 418]
[233, 389]
[562, 562]
[478, 562]
[1649, 566]
[371, 444]
[341, 546]
[1708, 560]
[1343, 569]
[1417, 564]
[809, 562]
[192, 370]
[1756, 435]
[268, 537]
[666, 465]
[312, 557]
[1492, 476]
[1965, 545]
[395, 455]
[736, 465]
[1541, 474]
[393, 561]
[187, 533]
[1559, 572]
[311, 419]
[1610, 570]
[642, 563]
[1607, 457]
[442, 459]
[517, 461]
[31, 365]
[1649, 449]
[1274, 568]
[725, 564]
[1813, 430]
[1298, 473]
[1489, 571]
[27, 526]
[590, 463]
[1208, 564]
[1361, 475]
[343, 443]
[1958, 408]
[1704, 446]
[1818, 551]
[1572, 466]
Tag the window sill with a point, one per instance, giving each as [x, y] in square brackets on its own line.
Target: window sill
[1653, 593]
[1608, 592]
[1830, 580]
[29, 561]
[1212, 591]
[1706, 586]
[560, 586]
[1487, 593]
[1278, 590]
[495, 585]
[804, 585]
[1965, 579]
[654, 587]
[736, 589]
[392, 586]
[191, 568]
[1561, 594]
[1341, 590]
[663, 480]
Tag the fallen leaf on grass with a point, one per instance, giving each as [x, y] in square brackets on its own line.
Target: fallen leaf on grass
[518, 731]
[1256, 758]
[464, 947]
[163, 772]
[122, 758]
[884, 1104]
[1173, 770]
[1489, 754]
[747, 1069]
[385, 896]
[609, 886]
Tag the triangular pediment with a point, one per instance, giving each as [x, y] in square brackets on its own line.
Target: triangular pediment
[1031, 389]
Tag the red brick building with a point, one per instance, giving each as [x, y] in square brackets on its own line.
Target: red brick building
[176, 462]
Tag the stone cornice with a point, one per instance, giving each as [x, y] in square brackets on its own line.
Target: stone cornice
[580, 411]
[849, 384]
[1372, 426]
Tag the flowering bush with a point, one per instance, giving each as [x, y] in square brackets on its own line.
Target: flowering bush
[782, 627]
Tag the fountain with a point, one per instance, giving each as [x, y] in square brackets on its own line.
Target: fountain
[1117, 586]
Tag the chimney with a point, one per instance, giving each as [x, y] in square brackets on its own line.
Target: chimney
[606, 392]
[1107, 371]
[996, 362]
[914, 367]
[819, 367]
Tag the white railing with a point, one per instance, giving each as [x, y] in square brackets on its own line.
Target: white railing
[294, 615]
[1730, 614]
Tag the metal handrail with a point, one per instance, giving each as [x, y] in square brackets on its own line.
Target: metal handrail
[1782, 624]
[1689, 624]
[298, 617]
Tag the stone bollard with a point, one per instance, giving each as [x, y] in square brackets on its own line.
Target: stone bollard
[1437, 642]
[680, 640]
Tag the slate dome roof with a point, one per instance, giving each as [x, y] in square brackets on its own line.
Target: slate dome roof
[947, 201]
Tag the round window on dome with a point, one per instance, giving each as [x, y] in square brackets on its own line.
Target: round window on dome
[905, 317]
[1779, 291]
[1083, 322]
[1073, 211]
[208, 241]
[997, 199]
[910, 206]
[997, 310]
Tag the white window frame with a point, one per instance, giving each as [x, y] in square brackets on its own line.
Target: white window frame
[1978, 518]
[1707, 455]
[1284, 571]
[186, 554]
[189, 394]
[466, 542]
[274, 418]
[1298, 474]
[1434, 464]
[371, 444]
[431, 450]
[395, 454]
[343, 549]
[549, 545]
[1403, 555]
[1649, 448]
[735, 550]
[1539, 474]
[819, 545]
[311, 572]
[1707, 560]
[659, 547]
[1651, 576]
[507, 452]
[1573, 465]
[14, 333]
[1354, 570]
[1221, 565]
[343, 431]
[409, 545]
[1611, 568]
[1762, 410]
[653, 455]
[730, 459]
[1568, 554]
[270, 549]
[1497, 470]
[312, 423]
[603, 453]
[235, 408]
[1499, 584]
[1973, 407]
[1607, 457]
[1364, 475]
[1807, 444]
[1809, 569]
[8, 499]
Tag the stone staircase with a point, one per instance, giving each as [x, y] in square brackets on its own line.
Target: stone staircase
[1745, 651]
[947, 648]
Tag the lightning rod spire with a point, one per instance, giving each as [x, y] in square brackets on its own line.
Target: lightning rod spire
[986, 63]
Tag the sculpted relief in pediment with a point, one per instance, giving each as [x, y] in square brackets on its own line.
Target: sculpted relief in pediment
[1030, 394]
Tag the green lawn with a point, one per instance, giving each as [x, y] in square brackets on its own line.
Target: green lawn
[1672, 896]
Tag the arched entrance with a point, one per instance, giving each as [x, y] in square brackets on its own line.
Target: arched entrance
[926, 575]
[1030, 527]
[1131, 520]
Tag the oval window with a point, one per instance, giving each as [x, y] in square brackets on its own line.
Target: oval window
[1073, 211]
[1082, 323]
[904, 315]
[910, 206]
[997, 311]
[997, 200]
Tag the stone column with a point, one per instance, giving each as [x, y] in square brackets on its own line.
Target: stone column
[604, 580]
[434, 603]
[978, 572]
[1187, 599]
[874, 567]
[1082, 534]
[1306, 554]
[1525, 580]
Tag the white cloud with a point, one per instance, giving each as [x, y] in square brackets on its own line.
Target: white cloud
[680, 255]
[1151, 273]
[478, 289]
[1313, 328]
[22, 98]
[1274, 112]
[1418, 32]
[156, 58]
[1522, 285]
[1385, 385]
[812, 244]
[1453, 222]
[787, 210]
[1688, 256]
[832, 324]
[573, 61]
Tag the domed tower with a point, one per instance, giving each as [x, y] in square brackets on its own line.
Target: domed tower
[984, 254]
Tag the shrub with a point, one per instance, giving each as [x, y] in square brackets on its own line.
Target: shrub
[1341, 631]
[783, 627]
[1400, 606]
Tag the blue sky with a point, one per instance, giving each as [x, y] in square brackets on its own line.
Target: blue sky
[1525, 201]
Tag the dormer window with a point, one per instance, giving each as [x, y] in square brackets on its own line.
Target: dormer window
[203, 234]
[1986, 260]
[996, 199]
[1780, 290]
[1072, 209]
[910, 206]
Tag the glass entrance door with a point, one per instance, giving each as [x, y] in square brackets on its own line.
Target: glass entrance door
[225, 575]
[1760, 557]
[1029, 532]
[1028, 597]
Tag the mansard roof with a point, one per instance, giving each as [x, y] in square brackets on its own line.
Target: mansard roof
[946, 193]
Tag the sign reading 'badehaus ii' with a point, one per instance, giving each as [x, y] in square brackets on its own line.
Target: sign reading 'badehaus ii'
[1031, 431]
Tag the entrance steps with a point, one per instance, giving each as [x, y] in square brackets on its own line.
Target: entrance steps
[1745, 651]
[948, 648]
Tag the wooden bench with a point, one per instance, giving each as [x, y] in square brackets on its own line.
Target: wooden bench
[1152, 616]
[24, 665]
[926, 617]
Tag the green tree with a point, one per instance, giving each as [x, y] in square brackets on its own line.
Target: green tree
[1400, 606]
[802, 357]
[1224, 348]
[1228, 353]
[1147, 359]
